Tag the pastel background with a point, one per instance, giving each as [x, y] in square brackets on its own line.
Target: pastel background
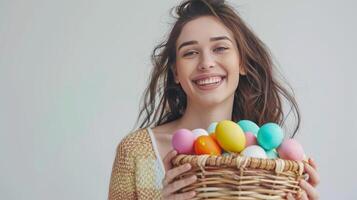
[72, 74]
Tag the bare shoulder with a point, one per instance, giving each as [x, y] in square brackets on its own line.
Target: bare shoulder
[164, 129]
[163, 135]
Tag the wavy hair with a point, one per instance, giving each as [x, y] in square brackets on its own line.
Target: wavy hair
[258, 97]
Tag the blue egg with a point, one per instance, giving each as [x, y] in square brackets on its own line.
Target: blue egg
[226, 154]
[270, 136]
[212, 127]
[249, 126]
[272, 154]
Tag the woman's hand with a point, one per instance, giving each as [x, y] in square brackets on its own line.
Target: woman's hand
[170, 186]
[309, 191]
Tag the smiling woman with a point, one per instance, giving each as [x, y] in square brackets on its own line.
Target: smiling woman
[212, 67]
[207, 63]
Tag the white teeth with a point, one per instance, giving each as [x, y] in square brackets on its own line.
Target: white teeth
[210, 80]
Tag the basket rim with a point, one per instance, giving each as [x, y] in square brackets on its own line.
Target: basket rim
[237, 161]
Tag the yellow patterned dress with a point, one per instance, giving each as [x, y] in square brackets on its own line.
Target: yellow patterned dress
[138, 169]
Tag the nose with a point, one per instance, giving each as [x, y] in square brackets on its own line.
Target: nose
[207, 61]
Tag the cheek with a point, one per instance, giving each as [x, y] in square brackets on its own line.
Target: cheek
[233, 80]
[184, 70]
[232, 61]
[232, 67]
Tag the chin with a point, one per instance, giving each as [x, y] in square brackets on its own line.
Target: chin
[211, 101]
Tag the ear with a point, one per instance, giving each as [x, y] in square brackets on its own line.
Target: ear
[242, 71]
[175, 74]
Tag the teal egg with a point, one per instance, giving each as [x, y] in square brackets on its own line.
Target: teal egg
[249, 126]
[270, 136]
[212, 127]
[226, 154]
[272, 154]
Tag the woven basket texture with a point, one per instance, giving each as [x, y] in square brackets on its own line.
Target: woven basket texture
[238, 177]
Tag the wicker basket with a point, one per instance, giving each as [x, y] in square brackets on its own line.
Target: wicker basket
[237, 177]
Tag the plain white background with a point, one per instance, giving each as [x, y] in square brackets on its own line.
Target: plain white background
[72, 74]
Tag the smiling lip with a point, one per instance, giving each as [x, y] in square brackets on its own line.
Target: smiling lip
[204, 76]
[210, 86]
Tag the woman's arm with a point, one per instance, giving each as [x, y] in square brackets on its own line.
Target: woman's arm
[122, 181]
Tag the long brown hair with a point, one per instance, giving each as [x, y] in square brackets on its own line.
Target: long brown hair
[258, 96]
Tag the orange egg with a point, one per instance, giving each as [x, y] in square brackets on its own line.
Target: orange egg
[213, 135]
[206, 145]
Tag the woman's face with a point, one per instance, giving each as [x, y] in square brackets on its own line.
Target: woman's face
[207, 61]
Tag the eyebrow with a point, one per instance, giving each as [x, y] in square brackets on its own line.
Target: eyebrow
[211, 39]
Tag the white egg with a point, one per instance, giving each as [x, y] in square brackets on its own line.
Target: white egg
[254, 151]
[272, 154]
[198, 132]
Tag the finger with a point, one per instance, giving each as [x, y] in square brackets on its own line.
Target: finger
[309, 189]
[177, 185]
[312, 163]
[314, 178]
[290, 196]
[186, 195]
[172, 173]
[304, 196]
[299, 194]
[168, 158]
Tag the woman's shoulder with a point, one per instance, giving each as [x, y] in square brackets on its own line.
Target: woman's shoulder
[168, 127]
[135, 138]
[140, 139]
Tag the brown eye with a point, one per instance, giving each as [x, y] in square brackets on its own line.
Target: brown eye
[189, 53]
[220, 49]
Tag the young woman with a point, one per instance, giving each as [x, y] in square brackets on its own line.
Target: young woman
[211, 67]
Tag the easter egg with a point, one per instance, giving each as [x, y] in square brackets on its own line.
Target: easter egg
[226, 154]
[251, 139]
[290, 149]
[270, 136]
[213, 135]
[182, 141]
[230, 136]
[254, 151]
[212, 127]
[272, 154]
[205, 144]
[198, 132]
[249, 126]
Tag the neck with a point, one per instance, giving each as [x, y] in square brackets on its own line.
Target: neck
[199, 116]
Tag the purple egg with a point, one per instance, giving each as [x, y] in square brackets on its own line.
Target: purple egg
[183, 141]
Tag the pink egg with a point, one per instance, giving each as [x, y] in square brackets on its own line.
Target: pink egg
[290, 149]
[251, 139]
[183, 141]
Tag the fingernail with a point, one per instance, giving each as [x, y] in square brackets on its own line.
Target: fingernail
[193, 177]
[289, 195]
[193, 193]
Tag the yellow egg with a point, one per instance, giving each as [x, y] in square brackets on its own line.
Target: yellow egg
[230, 136]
